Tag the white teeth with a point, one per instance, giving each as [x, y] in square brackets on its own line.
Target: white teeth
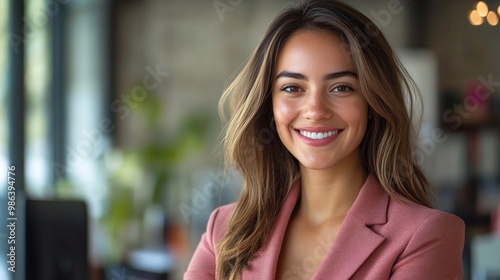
[318, 135]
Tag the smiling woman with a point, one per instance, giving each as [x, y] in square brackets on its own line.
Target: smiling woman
[337, 194]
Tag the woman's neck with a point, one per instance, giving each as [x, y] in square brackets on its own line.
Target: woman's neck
[327, 195]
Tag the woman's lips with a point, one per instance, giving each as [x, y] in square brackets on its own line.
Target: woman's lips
[318, 137]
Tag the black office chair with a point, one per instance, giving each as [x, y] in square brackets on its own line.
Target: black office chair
[56, 240]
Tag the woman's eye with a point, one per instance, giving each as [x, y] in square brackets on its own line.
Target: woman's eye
[342, 88]
[291, 89]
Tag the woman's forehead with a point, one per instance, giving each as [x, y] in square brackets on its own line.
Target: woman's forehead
[313, 51]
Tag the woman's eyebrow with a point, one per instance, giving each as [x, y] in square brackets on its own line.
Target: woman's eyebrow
[329, 76]
[335, 75]
[293, 75]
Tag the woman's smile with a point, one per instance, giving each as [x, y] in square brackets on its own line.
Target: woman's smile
[318, 136]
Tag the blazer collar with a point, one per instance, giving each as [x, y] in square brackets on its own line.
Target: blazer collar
[369, 208]
[371, 204]
[356, 240]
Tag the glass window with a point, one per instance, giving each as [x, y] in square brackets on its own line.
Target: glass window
[4, 44]
[4, 140]
[37, 83]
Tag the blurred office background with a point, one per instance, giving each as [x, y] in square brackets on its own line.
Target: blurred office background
[114, 103]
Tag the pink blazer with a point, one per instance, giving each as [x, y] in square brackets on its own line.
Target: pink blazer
[381, 238]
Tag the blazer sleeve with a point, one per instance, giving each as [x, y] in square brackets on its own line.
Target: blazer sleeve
[434, 251]
[202, 264]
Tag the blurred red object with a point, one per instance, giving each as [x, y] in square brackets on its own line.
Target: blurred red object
[495, 220]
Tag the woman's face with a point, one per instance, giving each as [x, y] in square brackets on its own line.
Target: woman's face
[320, 113]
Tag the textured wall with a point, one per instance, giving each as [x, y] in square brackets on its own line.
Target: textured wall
[201, 46]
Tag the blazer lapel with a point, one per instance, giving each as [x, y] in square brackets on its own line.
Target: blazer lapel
[356, 240]
[353, 245]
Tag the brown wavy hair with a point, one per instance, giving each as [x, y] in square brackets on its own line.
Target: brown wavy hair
[252, 146]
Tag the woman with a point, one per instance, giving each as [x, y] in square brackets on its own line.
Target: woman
[321, 133]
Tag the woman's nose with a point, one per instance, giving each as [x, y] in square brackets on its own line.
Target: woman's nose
[316, 106]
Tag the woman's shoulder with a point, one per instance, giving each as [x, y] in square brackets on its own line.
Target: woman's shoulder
[221, 214]
[414, 215]
[217, 223]
[398, 214]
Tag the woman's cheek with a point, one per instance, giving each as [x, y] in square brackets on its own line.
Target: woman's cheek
[285, 112]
